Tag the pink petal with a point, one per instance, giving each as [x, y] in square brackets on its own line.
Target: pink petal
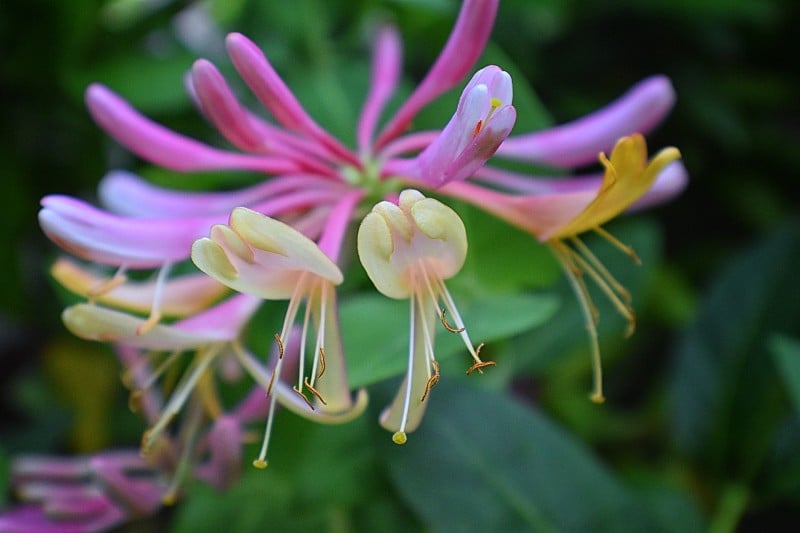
[669, 183]
[92, 234]
[463, 47]
[336, 226]
[270, 89]
[579, 142]
[166, 148]
[386, 64]
[125, 193]
[540, 215]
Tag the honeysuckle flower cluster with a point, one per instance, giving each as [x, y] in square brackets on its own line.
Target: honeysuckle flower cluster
[284, 238]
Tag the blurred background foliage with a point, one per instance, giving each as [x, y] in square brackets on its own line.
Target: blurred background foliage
[701, 430]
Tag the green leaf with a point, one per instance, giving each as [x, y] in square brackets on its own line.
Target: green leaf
[376, 338]
[483, 462]
[725, 393]
[786, 354]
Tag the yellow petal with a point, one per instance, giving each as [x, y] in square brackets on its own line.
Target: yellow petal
[627, 177]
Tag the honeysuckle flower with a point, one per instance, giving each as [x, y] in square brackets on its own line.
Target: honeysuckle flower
[314, 187]
[83, 494]
[409, 249]
[264, 257]
[558, 217]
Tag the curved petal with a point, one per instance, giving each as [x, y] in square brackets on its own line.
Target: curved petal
[92, 234]
[181, 296]
[669, 183]
[127, 194]
[166, 148]
[269, 88]
[577, 143]
[219, 324]
[386, 64]
[463, 47]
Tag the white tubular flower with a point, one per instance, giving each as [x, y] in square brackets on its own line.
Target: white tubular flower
[408, 251]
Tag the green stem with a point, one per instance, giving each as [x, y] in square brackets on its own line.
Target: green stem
[732, 505]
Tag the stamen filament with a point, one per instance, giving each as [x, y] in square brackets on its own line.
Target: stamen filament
[320, 333]
[562, 252]
[158, 295]
[400, 436]
[110, 284]
[178, 398]
[621, 308]
[602, 270]
[624, 248]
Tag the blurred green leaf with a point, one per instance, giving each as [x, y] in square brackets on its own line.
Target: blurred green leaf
[786, 354]
[483, 462]
[725, 396]
[377, 328]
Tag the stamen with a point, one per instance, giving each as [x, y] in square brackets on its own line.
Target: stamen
[280, 346]
[321, 362]
[208, 396]
[179, 397]
[621, 308]
[495, 102]
[155, 309]
[110, 284]
[400, 436]
[447, 326]
[624, 248]
[432, 381]
[579, 288]
[188, 437]
[602, 270]
[477, 129]
[320, 331]
[271, 380]
[480, 364]
[314, 391]
[303, 396]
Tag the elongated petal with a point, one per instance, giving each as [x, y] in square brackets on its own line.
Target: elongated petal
[627, 178]
[92, 234]
[463, 47]
[270, 89]
[166, 148]
[537, 214]
[181, 296]
[262, 256]
[386, 64]
[224, 111]
[218, 324]
[127, 194]
[574, 210]
[578, 143]
[483, 119]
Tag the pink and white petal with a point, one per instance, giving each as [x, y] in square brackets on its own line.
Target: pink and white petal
[579, 142]
[166, 148]
[180, 296]
[92, 234]
[269, 88]
[517, 182]
[127, 194]
[540, 215]
[221, 107]
[670, 182]
[386, 65]
[463, 47]
[221, 323]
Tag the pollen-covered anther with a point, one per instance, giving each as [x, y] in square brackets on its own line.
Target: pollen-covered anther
[446, 325]
[432, 381]
[303, 396]
[321, 362]
[314, 391]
